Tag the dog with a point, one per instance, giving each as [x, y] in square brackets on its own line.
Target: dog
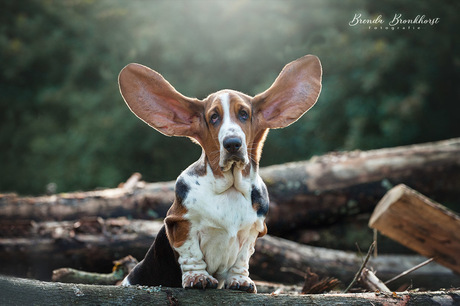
[220, 201]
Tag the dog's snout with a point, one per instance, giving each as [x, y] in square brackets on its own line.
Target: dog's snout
[232, 144]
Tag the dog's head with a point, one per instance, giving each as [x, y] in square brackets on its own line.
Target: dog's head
[229, 125]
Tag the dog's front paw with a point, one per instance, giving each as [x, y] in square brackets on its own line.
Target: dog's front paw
[199, 280]
[242, 283]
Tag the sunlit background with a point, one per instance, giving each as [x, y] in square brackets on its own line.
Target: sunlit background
[63, 120]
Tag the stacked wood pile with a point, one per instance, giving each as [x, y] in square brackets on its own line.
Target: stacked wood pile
[325, 202]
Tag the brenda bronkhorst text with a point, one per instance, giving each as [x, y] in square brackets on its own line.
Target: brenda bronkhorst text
[398, 22]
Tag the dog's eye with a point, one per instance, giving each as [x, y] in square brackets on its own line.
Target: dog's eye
[243, 115]
[214, 118]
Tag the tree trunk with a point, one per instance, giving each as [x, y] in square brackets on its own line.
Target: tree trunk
[144, 201]
[36, 249]
[285, 261]
[345, 235]
[92, 244]
[27, 292]
[303, 194]
[327, 188]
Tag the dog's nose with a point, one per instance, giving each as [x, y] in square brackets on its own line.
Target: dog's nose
[232, 144]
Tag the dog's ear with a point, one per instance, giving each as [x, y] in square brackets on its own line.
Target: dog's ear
[158, 104]
[294, 92]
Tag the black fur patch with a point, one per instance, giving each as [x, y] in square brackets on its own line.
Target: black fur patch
[182, 190]
[260, 201]
[159, 267]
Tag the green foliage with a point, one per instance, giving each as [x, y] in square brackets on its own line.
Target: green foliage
[64, 121]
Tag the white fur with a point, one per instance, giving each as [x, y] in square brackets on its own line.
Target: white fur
[224, 226]
[230, 128]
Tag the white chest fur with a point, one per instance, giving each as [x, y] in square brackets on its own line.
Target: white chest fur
[221, 214]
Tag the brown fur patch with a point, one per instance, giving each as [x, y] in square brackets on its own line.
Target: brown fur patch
[177, 228]
[264, 232]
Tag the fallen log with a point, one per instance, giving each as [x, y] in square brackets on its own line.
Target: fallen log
[303, 194]
[327, 188]
[421, 224]
[17, 291]
[34, 249]
[285, 261]
[143, 201]
[123, 266]
[91, 245]
[69, 275]
[345, 235]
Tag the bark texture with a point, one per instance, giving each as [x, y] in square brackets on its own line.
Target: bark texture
[17, 291]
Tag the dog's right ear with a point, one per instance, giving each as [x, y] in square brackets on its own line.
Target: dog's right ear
[293, 93]
[151, 98]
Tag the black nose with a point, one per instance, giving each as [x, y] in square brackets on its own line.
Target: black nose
[232, 144]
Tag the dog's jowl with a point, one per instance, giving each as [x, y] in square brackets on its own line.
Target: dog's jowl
[221, 202]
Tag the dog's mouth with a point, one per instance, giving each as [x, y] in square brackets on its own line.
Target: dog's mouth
[235, 160]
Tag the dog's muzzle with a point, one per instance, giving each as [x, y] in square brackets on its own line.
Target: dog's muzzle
[234, 153]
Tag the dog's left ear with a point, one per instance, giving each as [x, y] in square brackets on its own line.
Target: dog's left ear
[157, 103]
[294, 92]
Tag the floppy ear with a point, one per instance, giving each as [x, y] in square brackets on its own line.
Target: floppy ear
[158, 104]
[294, 92]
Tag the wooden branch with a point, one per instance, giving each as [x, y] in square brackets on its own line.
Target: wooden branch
[17, 291]
[363, 265]
[420, 224]
[372, 282]
[93, 245]
[131, 183]
[319, 191]
[120, 269]
[410, 270]
[69, 275]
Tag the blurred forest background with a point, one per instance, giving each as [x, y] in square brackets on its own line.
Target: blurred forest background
[64, 121]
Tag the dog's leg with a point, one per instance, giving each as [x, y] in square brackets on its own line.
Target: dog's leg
[191, 259]
[238, 275]
[194, 274]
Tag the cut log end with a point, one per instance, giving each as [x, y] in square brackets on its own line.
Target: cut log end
[390, 197]
[420, 224]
